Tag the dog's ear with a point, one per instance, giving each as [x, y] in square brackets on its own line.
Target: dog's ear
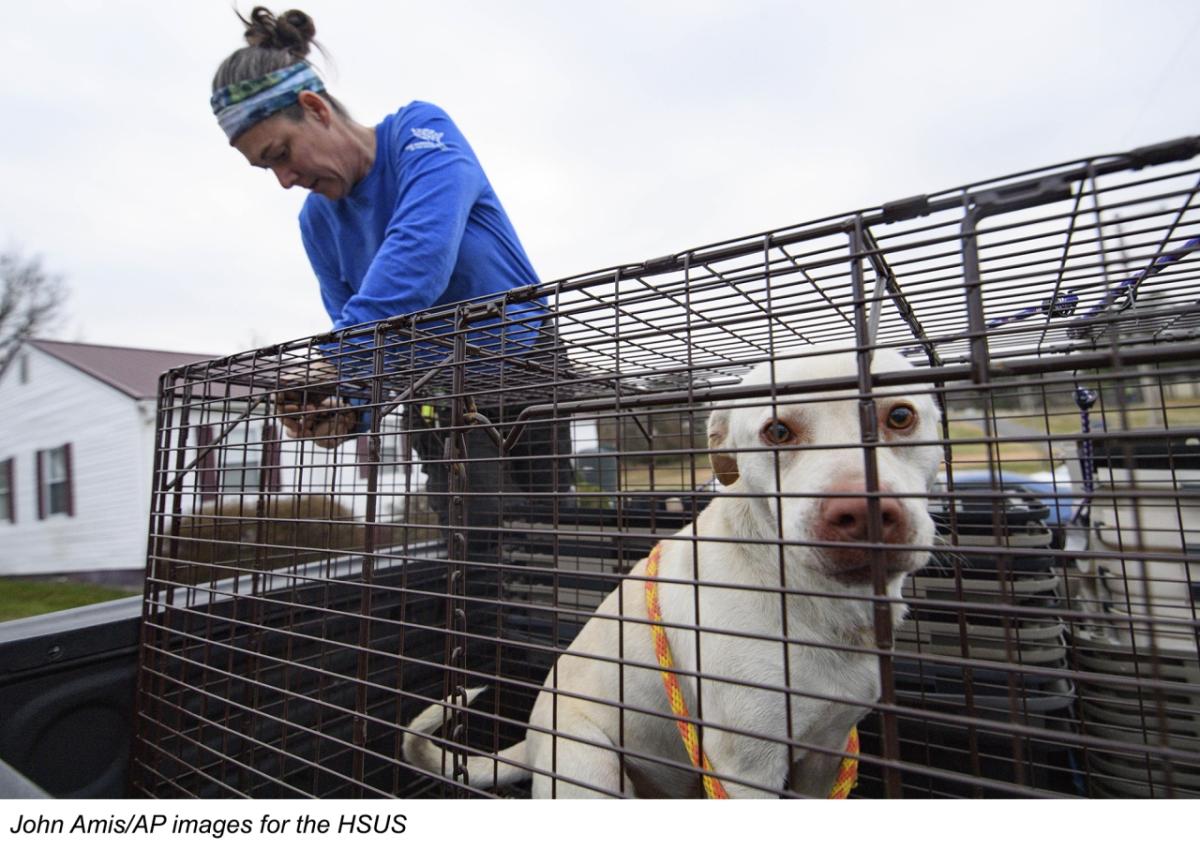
[724, 464]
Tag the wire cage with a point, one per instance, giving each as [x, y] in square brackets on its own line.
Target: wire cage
[928, 470]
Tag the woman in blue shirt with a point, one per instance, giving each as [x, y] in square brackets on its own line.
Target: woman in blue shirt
[421, 227]
[400, 217]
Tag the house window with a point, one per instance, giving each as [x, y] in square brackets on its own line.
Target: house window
[8, 492]
[54, 482]
[232, 468]
[241, 461]
[24, 367]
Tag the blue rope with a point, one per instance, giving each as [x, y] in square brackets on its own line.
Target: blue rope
[1063, 305]
[1130, 284]
[1085, 399]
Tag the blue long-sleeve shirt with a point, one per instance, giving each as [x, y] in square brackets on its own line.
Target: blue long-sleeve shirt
[423, 228]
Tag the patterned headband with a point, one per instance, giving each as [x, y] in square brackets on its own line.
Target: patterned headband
[240, 106]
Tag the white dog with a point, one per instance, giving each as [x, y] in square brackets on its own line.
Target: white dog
[725, 567]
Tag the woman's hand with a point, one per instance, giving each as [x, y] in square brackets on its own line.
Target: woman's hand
[328, 422]
[316, 412]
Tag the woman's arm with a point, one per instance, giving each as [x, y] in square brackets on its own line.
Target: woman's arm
[440, 181]
[334, 291]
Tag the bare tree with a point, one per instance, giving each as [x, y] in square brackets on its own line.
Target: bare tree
[31, 301]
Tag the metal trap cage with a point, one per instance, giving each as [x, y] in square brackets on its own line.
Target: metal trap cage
[979, 405]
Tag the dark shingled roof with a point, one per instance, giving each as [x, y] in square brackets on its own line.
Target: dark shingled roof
[134, 371]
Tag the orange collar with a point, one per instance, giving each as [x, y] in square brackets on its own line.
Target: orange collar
[847, 775]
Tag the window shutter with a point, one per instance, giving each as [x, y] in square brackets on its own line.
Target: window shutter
[209, 478]
[270, 458]
[41, 486]
[11, 474]
[70, 482]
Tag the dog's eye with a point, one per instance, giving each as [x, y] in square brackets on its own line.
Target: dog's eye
[777, 432]
[901, 417]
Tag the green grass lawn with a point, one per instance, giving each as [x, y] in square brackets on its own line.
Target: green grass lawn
[19, 599]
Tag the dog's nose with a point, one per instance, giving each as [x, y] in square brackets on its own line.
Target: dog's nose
[847, 519]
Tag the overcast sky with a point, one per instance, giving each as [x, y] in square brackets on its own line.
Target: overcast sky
[613, 132]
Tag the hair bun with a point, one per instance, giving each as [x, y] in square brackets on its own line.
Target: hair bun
[301, 23]
[293, 31]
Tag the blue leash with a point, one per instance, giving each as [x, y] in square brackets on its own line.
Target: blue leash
[1130, 284]
[1085, 398]
[1061, 306]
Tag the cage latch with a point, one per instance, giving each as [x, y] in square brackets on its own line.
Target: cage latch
[522, 294]
[905, 208]
[661, 264]
[481, 312]
[1176, 150]
[1024, 194]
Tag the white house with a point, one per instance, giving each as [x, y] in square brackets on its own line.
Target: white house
[76, 452]
[77, 455]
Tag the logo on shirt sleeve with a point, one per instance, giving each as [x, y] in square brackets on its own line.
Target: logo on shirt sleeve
[427, 139]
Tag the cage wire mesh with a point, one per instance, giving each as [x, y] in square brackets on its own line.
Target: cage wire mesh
[460, 491]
